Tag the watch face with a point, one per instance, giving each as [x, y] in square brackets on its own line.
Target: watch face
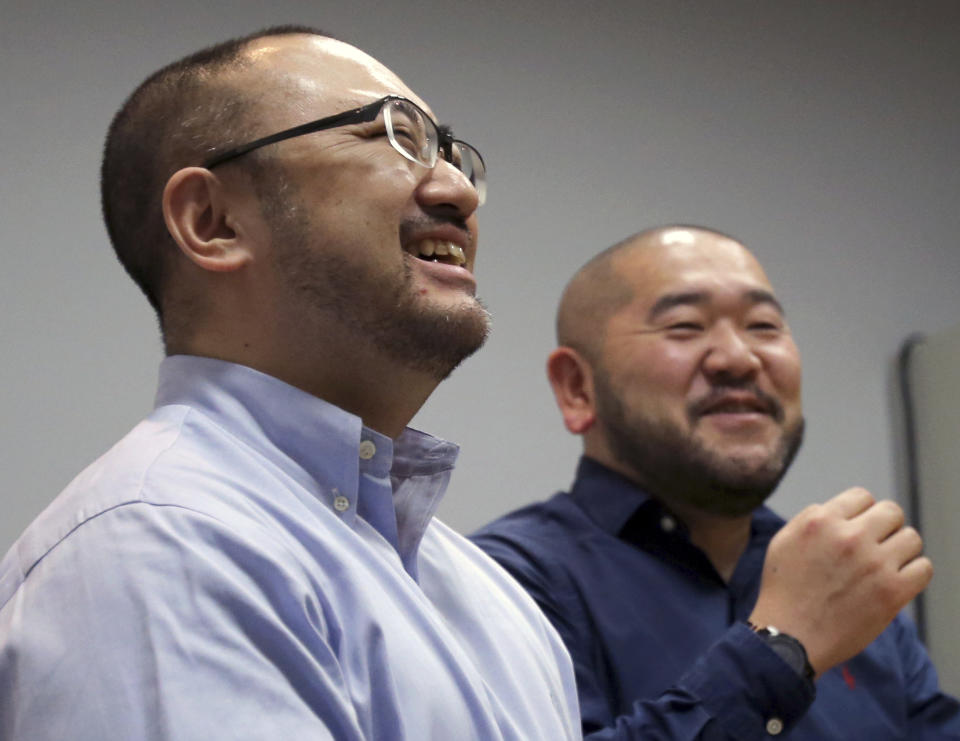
[790, 650]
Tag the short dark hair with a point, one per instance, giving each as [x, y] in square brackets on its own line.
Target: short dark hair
[172, 120]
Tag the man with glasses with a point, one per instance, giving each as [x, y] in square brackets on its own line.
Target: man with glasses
[258, 558]
[691, 610]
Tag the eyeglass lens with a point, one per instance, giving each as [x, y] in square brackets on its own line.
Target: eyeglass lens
[411, 133]
[415, 136]
[467, 160]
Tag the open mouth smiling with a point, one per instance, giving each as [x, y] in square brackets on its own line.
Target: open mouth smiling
[438, 250]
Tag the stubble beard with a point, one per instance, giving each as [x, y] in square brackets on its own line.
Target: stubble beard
[388, 315]
[673, 465]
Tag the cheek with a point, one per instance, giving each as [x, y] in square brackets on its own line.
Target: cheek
[783, 366]
[399, 177]
[384, 185]
[672, 368]
[473, 227]
[658, 379]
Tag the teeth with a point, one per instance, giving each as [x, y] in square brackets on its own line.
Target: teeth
[456, 252]
[441, 248]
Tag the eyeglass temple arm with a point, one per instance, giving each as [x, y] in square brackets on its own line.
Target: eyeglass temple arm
[357, 114]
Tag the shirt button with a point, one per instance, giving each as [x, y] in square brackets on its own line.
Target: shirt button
[367, 449]
[774, 726]
[668, 524]
[341, 503]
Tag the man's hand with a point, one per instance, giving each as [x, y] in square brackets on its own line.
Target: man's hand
[838, 573]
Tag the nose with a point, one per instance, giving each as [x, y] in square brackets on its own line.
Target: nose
[446, 188]
[730, 356]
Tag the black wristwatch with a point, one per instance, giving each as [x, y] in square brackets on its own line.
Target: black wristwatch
[787, 648]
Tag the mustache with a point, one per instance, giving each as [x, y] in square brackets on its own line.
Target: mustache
[718, 395]
[425, 223]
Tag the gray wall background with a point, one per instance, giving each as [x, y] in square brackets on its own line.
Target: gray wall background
[823, 134]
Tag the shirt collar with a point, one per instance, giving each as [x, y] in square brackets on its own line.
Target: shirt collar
[314, 441]
[611, 500]
[608, 498]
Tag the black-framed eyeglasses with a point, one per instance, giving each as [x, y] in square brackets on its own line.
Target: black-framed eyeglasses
[410, 130]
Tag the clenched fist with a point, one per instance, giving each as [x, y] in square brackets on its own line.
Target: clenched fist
[838, 573]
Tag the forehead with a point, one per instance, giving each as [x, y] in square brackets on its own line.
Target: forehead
[682, 261]
[314, 76]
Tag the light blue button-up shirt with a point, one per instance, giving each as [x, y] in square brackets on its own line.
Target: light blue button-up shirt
[250, 562]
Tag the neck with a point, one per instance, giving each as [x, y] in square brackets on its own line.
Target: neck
[722, 539]
[384, 394]
[385, 401]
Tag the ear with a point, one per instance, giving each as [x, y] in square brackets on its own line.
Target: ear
[200, 216]
[572, 380]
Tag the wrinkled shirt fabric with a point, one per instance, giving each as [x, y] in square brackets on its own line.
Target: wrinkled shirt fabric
[250, 562]
[658, 640]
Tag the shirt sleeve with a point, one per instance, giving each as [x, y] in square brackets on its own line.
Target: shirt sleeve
[932, 714]
[739, 690]
[158, 622]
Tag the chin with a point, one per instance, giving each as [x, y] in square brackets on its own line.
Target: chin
[746, 458]
[436, 339]
[744, 478]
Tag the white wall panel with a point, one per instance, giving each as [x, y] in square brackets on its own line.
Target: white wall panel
[934, 378]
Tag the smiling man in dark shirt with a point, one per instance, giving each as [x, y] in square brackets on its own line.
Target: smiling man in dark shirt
[690, 609]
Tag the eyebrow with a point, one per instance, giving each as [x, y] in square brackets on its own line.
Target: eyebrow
[698, 298]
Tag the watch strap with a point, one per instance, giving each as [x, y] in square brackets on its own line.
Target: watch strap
[787, 648]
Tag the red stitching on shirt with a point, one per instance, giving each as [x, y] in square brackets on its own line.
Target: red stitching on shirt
[848, 677]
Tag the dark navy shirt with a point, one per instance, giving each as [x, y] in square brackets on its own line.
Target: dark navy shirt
[657, 637]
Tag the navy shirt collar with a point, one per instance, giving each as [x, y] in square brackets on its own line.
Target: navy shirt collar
[609, 498]
[612, 501]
